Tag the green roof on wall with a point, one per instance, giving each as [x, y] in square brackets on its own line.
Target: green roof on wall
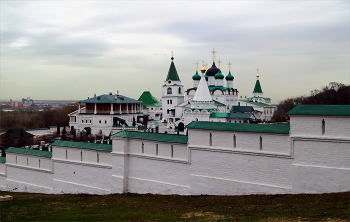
[326, 110]
[239, 127]
[83, 145]
[170, 138]
[41, 153]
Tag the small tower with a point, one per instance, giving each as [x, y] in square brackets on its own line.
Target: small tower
[229, 78]
[172, 93]
[219, 79]
[257, 92]
[196, 77]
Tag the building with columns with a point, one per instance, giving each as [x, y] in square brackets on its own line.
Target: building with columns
[105, 113]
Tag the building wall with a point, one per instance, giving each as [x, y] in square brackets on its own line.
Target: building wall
[212, 163]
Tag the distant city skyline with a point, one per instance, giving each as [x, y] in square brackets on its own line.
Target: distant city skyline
[69, 50]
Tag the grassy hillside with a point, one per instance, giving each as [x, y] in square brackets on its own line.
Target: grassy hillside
[130, 207]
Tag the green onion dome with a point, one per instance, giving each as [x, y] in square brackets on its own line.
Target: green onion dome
[206, 77]
[219, 75]
[196, 76]
[229, 76]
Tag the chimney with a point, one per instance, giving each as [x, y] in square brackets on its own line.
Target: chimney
[117, 92]
[95, 95]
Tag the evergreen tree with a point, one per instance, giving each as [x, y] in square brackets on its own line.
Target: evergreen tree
[133, 121]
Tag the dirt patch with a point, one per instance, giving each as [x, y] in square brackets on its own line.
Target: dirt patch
[210, 216]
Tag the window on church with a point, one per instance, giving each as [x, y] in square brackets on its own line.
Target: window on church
[169, 91]
[179, 90]
[39, 163]
[66, 154]
[81, 155]
[143, 148]
[156, 149]
[98, 158]
[172, 151]
[171, 101]
[99, 121]
[168, 101]
[260, 143]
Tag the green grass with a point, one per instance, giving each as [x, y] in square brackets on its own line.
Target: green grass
[130, 207]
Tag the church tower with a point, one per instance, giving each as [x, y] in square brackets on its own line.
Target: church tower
[172, 94]
[257, 92]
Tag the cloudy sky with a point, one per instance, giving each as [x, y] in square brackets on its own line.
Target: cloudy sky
[71, 49]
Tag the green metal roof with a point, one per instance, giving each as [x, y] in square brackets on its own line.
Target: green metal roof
[239, 115]
[155, 122]
[257, 88]
[219, 75]
[110, 99]
[196, 76]
[258, 104]
[239, 127]
[170, 138]
[229, 76]
[172, 74]
[218, 115]
[148, 99]
[217, 103]
[2, 159]
[242, 109]
[41, 153]
[83, 145]
[326, 110]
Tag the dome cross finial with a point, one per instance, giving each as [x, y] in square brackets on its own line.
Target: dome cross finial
[219, 62]
[229, 65]
[257, 72]
[214, 52]
[197, 65]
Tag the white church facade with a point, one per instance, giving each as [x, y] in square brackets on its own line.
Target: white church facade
[312, 155]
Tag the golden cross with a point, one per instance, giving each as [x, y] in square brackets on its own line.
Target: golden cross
[206, 65]
[219, 62]
[257, 70]
[213, 54]
[203, 63]
[229, 65]
[197, 65]
[172, 53]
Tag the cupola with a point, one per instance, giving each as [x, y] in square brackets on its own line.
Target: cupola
[219, 75]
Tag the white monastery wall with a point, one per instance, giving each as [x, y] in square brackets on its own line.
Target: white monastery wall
[227, 173]
[321, 165]
[24, 173]
[213, 162]
[158, 175]
[335, 126]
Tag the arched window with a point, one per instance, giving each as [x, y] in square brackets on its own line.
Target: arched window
[169, 91]
[179, 90]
